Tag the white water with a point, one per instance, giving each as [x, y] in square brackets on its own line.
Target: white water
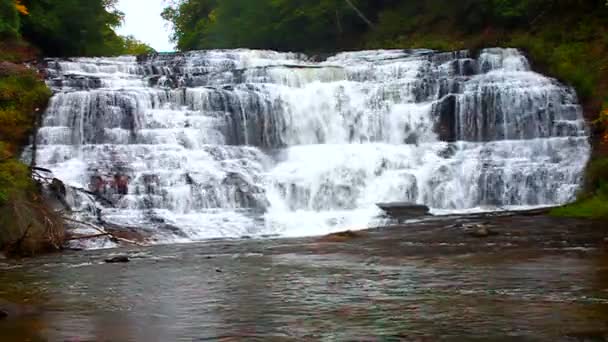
[233, 143]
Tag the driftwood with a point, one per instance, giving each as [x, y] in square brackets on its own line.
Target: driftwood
[103, 232]
[85, 237]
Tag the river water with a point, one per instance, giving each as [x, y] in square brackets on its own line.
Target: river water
[540, 279]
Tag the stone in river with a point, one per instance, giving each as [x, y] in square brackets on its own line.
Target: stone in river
[117, 259]
[481, 231]
[404, 210]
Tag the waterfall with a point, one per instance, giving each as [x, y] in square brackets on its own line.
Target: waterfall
[241, 142]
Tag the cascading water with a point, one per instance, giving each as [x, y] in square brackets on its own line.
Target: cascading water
[233, 143]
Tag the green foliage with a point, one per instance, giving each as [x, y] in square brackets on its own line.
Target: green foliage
[132, 46]
[72, 27]
[67, 28]
[267, 24]
[27, 225]
[9, 19]
[593, 202]
[14, 177]
[594, 207]
[20, 96]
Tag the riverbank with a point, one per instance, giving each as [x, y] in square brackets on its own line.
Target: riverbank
[535, 277]
[28, 226]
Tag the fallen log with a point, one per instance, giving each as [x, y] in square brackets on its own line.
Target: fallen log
[103, 231]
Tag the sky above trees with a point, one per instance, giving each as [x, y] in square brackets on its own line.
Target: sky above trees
[143, 21]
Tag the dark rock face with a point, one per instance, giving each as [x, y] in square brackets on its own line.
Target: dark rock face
[446, 125]
[117, 259]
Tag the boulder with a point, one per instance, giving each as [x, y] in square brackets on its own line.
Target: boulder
[117, 259]
[403, 210]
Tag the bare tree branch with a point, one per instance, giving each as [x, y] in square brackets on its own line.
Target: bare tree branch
[360, 14]
[104, 232]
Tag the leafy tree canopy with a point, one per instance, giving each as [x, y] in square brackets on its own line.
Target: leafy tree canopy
[336, 24]
[67, 27]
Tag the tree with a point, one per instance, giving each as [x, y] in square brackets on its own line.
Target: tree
[9, 19]
[270, 24]
[133, 46]
[73, 27]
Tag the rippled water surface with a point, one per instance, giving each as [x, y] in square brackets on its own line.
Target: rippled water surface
[401, 284]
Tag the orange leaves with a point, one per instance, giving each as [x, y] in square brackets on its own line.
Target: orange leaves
[21, 7]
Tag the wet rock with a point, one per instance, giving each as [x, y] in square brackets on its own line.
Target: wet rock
[481, 231]
[342, 236]
[117, 259]
[404, 210]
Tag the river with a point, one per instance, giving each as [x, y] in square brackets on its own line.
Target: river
[540, 278]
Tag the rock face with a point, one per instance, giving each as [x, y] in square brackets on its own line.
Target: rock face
[404, 211]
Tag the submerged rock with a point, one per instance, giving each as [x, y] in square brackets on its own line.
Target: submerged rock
[117, 259]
